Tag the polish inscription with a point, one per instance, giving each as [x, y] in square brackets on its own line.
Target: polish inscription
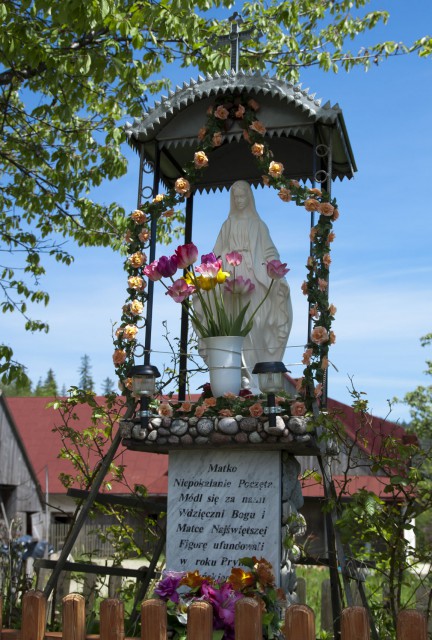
[222, 506]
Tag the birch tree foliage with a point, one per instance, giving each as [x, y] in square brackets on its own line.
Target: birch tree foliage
[71, 71]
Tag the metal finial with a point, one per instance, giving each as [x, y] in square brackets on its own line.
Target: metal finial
[234, 39]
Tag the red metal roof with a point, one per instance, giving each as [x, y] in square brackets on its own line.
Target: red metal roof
[35, 423]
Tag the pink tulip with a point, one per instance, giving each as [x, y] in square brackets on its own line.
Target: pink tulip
[180, 290]
[151, 271]
[167, 266]
[276, 269]
[209, 266]
[239, 285]
[186, 255]
[234, 258]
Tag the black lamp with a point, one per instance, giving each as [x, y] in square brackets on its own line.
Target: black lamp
[144, 385]
[270, 377]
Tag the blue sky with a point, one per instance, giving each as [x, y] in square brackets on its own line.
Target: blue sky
[381, 270]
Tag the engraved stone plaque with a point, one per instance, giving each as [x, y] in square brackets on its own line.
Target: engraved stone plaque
[223, 506]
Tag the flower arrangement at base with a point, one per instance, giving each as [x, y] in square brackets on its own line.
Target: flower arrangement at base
[179, 589]
[222, 308]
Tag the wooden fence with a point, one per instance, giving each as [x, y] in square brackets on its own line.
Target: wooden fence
[299, 621]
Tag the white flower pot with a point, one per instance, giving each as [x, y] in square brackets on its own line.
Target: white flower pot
[224, 360]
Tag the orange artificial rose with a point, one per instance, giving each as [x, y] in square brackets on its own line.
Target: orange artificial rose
[200, 160]
[326, 209]
[138, 216]
[276, 169]
[319, 335]
[258, 127]
[182, 186]
[311, 204]
[285, 194]
[137, 259]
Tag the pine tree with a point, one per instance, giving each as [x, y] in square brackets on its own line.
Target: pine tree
[86, 381]
[47, 388]
[108, 386]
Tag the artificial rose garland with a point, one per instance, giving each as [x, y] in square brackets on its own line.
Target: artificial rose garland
[243, 110]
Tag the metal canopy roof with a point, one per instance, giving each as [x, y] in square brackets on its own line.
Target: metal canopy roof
[294, 120]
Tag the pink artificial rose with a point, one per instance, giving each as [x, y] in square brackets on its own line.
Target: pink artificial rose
[217, 139]
[258, 127]
[276, 269]
[307, 356]
[326, 260]
[257, 149]
[304, 288]
[319, 335]
[294, 184]
[311, 204]
[275, 169]
[225, 413]
[137, 259]
[186, 255]
[256, 410]
[138, 216]
[316, 192]
[202, 133]
[186, 407]
[165, 410]
[210, 402]
[285, 194]
[180, 290]
[119, 356]
[331, 236]
[332, 310]
[335, 215]
[221, 112]
[326, 209]
[240, 112]
[253, 104]
[298, 409]
[199, 411]
[182, 187]
[200, 160]
[322, 284]
[234, 258]
[144, 235]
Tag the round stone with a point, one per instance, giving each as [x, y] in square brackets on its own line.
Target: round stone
[297, 424]
[303, 438]
[255, 437]
[228, 426]
[166, 422]
[220, 438]
[186, 439]
[152, 436]
[205, 426]
[173, 439]
[201, 440]
[163, 432]
[278, 429]
[193, 421]
[241, 438]
[138, 433]
[179, 427]
[248, 424]
[156, 422]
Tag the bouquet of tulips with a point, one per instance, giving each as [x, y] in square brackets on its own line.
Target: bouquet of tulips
[179, 589]
[209, 284]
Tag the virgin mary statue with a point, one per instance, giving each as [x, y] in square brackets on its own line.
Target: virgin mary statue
[245, 232]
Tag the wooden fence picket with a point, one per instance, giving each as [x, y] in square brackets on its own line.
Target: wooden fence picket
[112, 619]
[33, 616]
[200, 621]
[411, 625]
[153, 620]
[248, 619]
[299, 623]
[73, 617]
[355, 624]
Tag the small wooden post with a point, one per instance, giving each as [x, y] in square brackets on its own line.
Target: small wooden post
[200, 621]
[411, 625]
[248, 620]
[153, 620]
[112, 619]
[301, 590]
[33, 616]
[73, 617]
[299, 623]
[355, 624]
[326, 606]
